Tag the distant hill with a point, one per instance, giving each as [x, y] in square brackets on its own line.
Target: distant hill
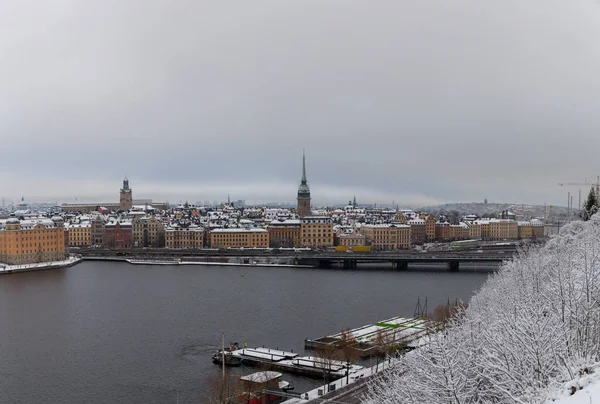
[523, 212]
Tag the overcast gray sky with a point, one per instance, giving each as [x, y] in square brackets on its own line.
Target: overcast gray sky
[416, 102]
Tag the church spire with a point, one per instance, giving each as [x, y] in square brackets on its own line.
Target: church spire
[303, 168]
[303, 189]
[303, 192]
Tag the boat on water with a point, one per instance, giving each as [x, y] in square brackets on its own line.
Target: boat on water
[227, 355]
[262, 387]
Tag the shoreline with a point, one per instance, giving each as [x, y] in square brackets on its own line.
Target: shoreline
[13, 269]
[234, 264]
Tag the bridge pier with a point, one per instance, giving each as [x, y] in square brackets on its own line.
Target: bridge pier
[400, 265]
[453, 266]
[349, 264]
[324, 264]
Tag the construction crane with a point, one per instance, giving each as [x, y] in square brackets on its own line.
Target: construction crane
[585, 182]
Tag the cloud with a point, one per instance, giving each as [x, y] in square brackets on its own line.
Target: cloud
[395, 101]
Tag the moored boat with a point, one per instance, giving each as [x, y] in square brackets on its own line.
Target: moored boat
[227, 355]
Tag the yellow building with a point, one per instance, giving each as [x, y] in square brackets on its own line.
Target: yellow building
[350, 239]
[525, 230]
[484, 226]
[184, 237]
[530, 230]
[239, 237]
[32, 241]
[474, 231]
[148, 232]
[316, 231]
[459, 231]
[503, 229]
[80, 235]
[387, 236]
[430, 228]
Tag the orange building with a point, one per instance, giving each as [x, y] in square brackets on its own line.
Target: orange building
[316, 231]
[32, 241]
[284, 234]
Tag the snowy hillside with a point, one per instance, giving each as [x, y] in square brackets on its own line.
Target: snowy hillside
[525, 212]
[583, 390]
[532, 327]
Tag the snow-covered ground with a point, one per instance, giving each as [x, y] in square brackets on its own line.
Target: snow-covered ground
[340, 383]
[5, 268]
[582, 390]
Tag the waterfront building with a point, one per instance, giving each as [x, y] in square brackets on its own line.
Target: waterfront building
[32, 241]
[303, 208]
[485, 229]
[66, 234]
[442, 231]
[537, 229]
[284, 234]
[316, 231]
[387, 236]
[458, 231]
[498, 229]
[503, 229]
[525, 230]
[80, 234]
[191, 236]
[533, 229]
[97, 229]
[148, 232]
[430, 228]
[118, 234]
[474, 231]
[350, 239]
[126, 197]
[418, 230]
[239, 237]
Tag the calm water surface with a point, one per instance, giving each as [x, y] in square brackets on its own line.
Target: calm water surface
[114, 332]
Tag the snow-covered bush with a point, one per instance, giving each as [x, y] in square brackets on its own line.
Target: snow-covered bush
[533, 324]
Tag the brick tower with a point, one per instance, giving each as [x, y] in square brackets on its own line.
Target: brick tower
[126, 200]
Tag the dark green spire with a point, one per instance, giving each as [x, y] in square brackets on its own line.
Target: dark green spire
[303, 189]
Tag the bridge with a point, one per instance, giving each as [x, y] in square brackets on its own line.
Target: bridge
[400, 260]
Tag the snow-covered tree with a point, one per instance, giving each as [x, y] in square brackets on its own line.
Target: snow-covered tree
[591, 205]
[533, 324]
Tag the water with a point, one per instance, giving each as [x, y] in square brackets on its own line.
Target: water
[114, 332]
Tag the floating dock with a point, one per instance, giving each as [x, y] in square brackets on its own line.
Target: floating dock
[291, 362]
[370, 340]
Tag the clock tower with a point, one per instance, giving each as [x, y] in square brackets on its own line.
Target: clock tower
[126, 200]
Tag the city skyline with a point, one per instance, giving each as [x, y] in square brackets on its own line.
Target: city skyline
[419, 103]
